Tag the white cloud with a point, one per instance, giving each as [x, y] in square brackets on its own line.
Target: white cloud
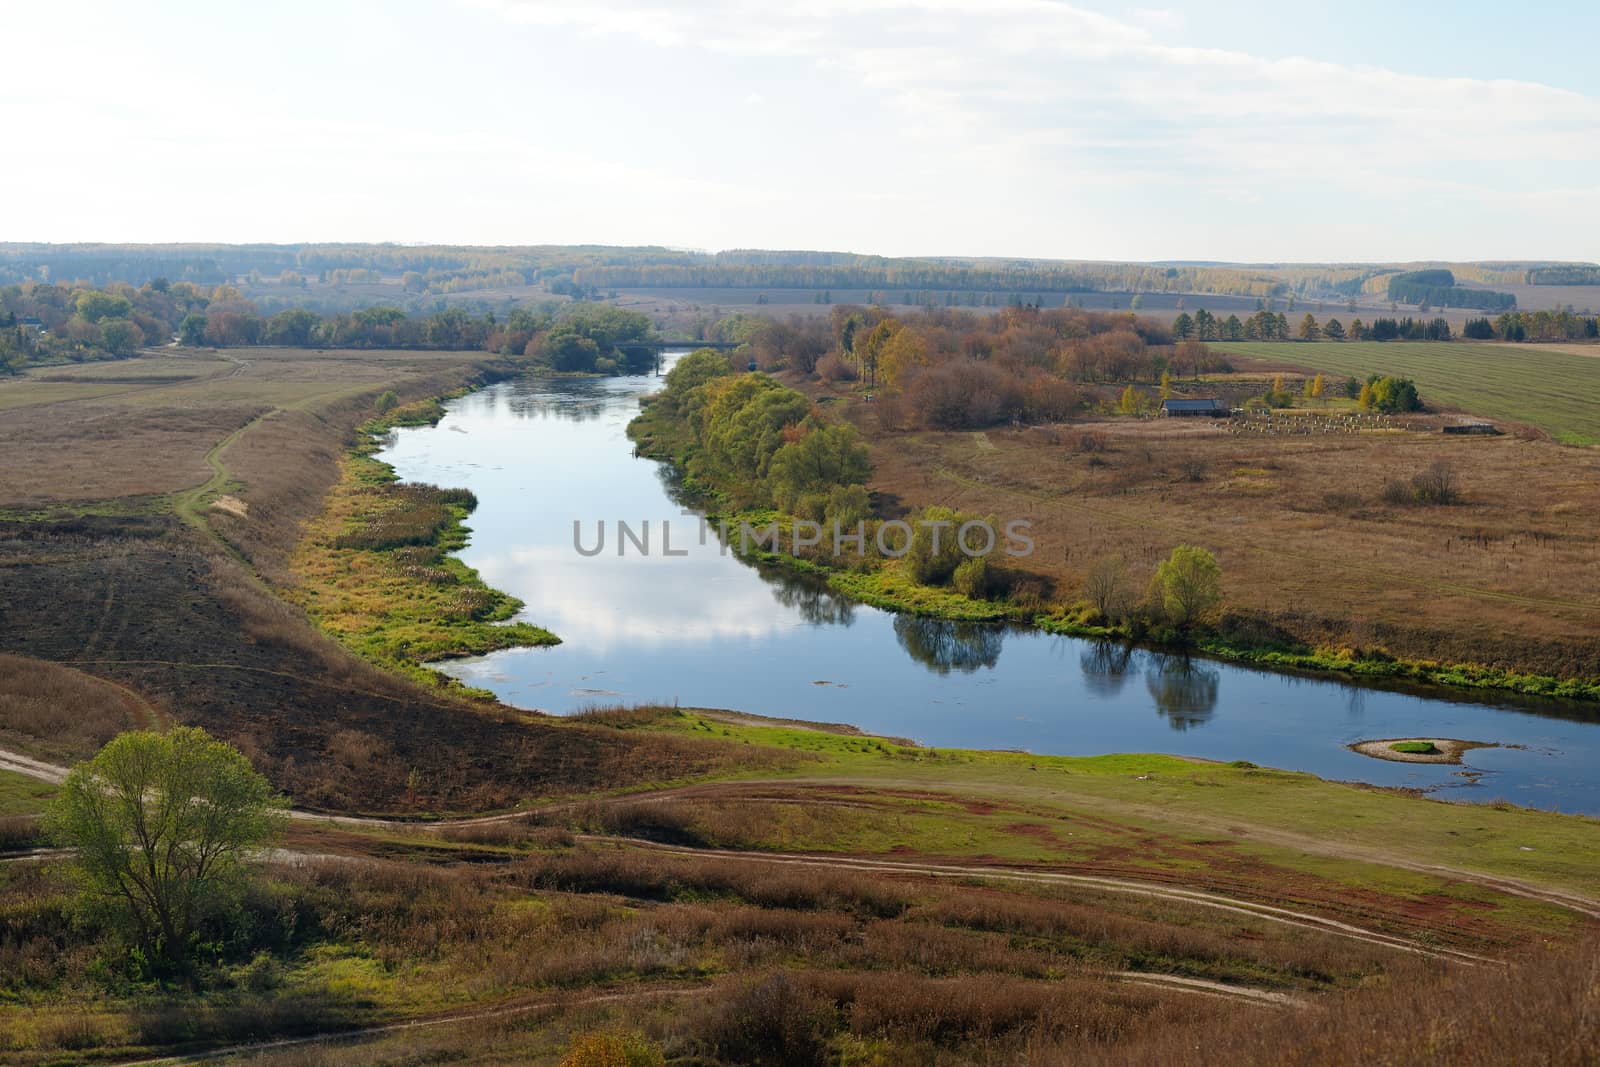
[1014, 81]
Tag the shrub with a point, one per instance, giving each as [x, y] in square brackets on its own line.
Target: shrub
[602, 1049]
[1437, 485]
[831, 368]
[972, 578]
[387, 401]
[779, 1021]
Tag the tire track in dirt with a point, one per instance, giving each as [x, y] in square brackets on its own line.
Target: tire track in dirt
[1159, 890]
[367, 1033]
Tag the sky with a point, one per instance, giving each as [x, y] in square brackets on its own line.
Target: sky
[1247, 132]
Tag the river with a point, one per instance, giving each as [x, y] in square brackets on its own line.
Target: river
[703, 629]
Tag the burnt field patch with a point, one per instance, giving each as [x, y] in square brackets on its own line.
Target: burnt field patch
[150, 604]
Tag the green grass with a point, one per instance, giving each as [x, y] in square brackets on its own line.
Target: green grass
[1556, 391]
[20, 795]
[1419, 748]
[1275, 814]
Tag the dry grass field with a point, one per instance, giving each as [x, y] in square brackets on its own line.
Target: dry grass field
[1510, 576]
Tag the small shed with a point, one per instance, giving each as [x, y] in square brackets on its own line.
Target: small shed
[1208, 406]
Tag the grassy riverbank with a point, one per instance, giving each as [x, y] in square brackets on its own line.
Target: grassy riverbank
[662, 433]
[375, 570]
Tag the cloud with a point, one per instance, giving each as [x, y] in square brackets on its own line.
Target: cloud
[1095, 98]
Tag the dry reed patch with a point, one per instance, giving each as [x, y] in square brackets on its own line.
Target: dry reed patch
[57, 713]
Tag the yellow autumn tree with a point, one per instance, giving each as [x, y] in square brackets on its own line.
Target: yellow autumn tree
[1166, 385]
[1132, 401]
[1364, 401]
[903, 351]
[1315, 386]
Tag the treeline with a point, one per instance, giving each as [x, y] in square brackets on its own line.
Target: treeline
[43, 323]
[1566, 274]
[950, 369]
[1275, 326]
[208, 264]
[1534, 326]
[1438, 287]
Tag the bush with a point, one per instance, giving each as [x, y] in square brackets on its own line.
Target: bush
[831, 368]
[387, 401]
[779, 1021]
[972, 579]
[601, 1049]
[1437, 485]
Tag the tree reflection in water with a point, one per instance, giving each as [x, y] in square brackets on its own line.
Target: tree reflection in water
[1105, 666]
[943, 646]
[816, 603]
[1184, 690]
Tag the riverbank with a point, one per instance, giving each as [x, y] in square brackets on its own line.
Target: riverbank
[376, 570]
[883, 583]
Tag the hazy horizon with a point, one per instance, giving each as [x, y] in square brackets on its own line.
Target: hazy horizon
[930, 128]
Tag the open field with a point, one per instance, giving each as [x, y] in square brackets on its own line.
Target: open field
[1310, 551]
[933, 906]
[145, 553]
[1552, 387]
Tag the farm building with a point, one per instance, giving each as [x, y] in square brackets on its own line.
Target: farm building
[1206, 405]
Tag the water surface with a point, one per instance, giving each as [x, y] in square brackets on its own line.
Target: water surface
[703, 629]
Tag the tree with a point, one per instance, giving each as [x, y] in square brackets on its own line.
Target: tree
[1132, 401]
[1309, 330]
[1183, 326]
[1333, 330]
[903, 351]
[1189, 583]
[192, 330]
[120, 337]
[1315, 387]
[1166, 385]
[162, 824]
[825, 457]
[1110, 589]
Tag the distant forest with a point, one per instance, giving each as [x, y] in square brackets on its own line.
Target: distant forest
[343, 276]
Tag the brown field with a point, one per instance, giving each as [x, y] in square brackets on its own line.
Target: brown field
[135, 534]
[1510, 576]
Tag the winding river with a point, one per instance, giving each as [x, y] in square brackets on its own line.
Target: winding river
[706, 630]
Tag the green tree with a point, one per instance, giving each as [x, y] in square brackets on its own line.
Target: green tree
[95, 304]
[826, 457]
[192, 330]
[1183, 326]
[120, 337]
[1189, 584]
[162, 823]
